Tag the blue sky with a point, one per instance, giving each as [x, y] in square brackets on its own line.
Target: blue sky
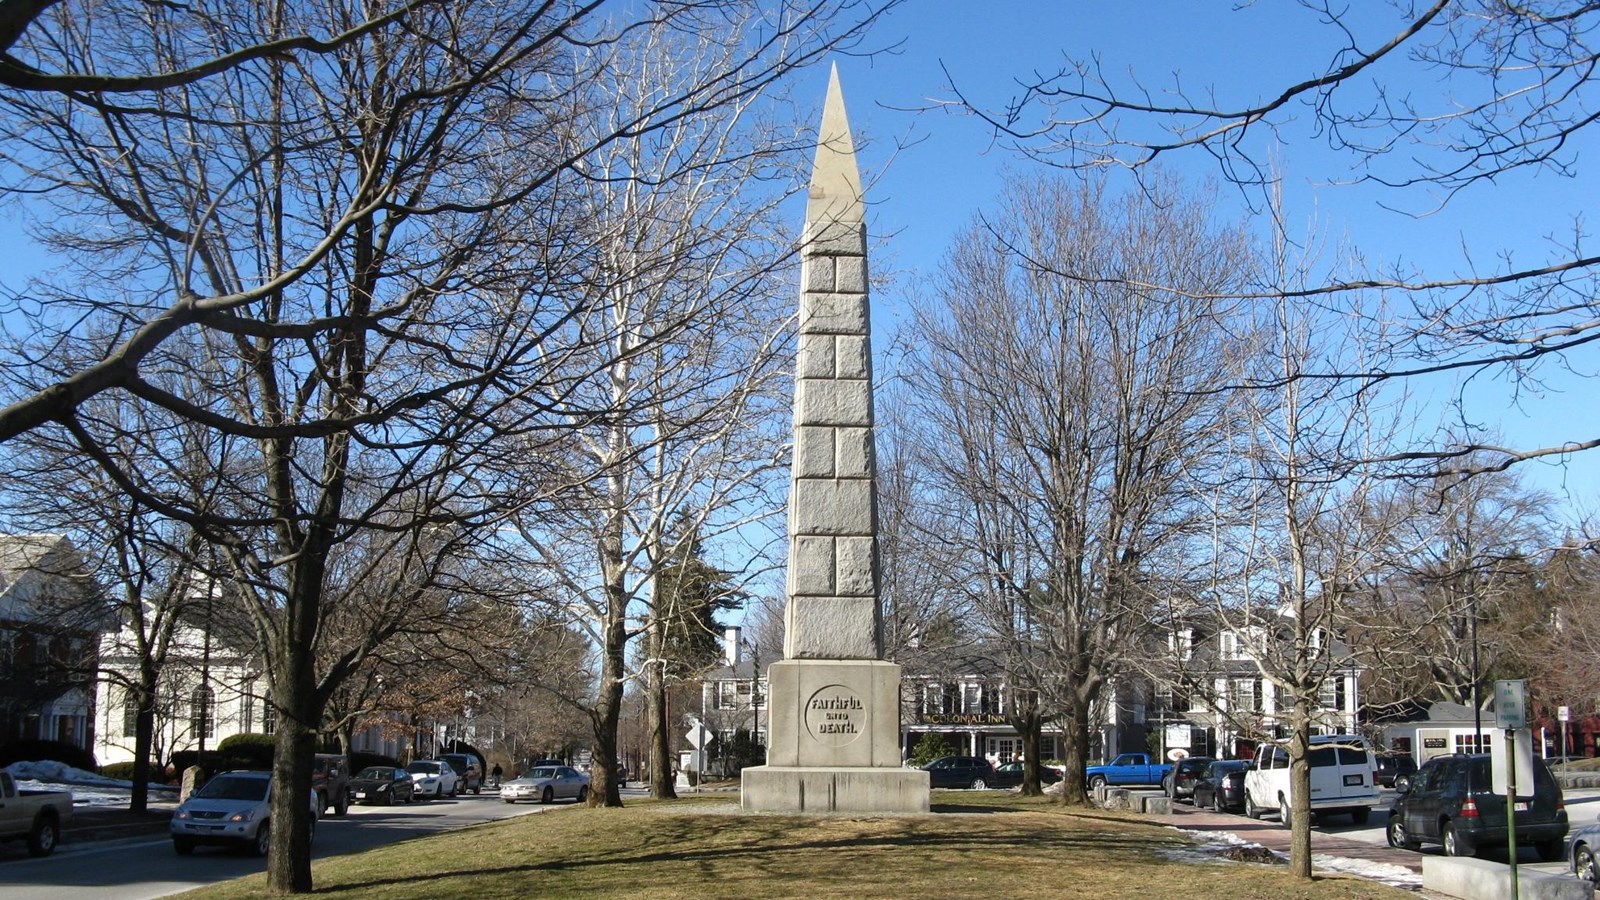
[929, 171]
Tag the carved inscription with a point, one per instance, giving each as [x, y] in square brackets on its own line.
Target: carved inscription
[835, 715]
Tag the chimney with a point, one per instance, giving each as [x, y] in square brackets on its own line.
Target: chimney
[730, 645]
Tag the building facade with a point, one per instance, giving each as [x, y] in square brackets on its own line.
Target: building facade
[52, 612]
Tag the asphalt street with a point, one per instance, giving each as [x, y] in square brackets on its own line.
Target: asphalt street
[149, 868]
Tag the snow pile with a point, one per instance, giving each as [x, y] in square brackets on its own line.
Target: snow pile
[88, 788]
[1211, 847]
[1388, 873]
[60, 773]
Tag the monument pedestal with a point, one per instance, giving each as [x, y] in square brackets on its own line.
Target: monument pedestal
[834, 741]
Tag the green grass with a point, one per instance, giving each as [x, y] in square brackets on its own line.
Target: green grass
[702, 848]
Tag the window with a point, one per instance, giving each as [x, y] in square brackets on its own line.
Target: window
[1472, 743]
[130, 713]
[971, 697]
[949, 699]
[930, 698]
[725, 695]
[1229, 646]
[269, 715]
[203, 712]
[1245, 696]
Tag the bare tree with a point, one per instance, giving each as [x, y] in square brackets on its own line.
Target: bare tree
[363, 264]
[1413, 104]
[1068, 420]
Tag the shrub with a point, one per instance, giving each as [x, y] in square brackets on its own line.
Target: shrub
[33, 749]
[124, 770]
[929, 748]
[246, 751]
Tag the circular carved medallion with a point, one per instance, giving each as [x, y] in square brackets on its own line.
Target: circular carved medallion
[835, 715]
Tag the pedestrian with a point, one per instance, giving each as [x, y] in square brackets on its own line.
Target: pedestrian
[495, 774]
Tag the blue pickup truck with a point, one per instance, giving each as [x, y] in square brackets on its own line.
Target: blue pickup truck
[1129, 768]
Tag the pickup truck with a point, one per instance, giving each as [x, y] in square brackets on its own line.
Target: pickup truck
[37, 816]
[1129, 768]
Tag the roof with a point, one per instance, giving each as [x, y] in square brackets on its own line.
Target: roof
[44, 581]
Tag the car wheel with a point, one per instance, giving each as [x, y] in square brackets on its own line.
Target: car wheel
[343, 806]
[1402, 783]
[583, 794]
[1168, 789]
[509, 800]
[1285, 814]
[549, 796]
[44, 835]
[1251, 810]
[1549, 851]
[322, 803]
[978, 784]
[1216, 801]
[182, 846]
[1454, 843]
[1360, 815]
[1584, 864]
[1097, 781]
[1396, 834]
[263, 841]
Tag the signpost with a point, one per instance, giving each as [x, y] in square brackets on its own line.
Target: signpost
[1564, 715]
[1511, 713]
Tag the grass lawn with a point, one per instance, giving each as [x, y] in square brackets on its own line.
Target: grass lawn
[994, 846]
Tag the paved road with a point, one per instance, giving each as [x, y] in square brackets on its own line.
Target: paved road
[147, 869]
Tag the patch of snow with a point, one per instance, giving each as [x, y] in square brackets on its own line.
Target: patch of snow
[88, 788]
[1210, 845]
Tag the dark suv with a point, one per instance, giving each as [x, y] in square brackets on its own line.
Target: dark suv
[960, 771]
[1396, 771]
[1451, 802]
[330, 779]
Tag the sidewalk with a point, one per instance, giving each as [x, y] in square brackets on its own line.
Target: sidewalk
[1274, 836]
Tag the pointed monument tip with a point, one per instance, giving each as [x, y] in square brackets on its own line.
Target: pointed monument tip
[835, 193]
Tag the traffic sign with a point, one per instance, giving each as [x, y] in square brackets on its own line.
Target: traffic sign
[1511, 704]
[1564, 714]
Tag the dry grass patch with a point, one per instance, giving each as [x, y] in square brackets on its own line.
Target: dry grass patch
[1007, 846]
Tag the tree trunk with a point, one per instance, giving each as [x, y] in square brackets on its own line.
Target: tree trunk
[289, 861]
[1300, 790]
[1031, 763]
[144, 731]
[1074, 792]
[661, 781]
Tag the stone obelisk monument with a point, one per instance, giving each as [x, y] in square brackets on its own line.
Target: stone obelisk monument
[834, 735]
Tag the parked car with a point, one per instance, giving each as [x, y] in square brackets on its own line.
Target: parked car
[35, 816]
[1583, 847]
[330, 778]
[433, 778]
[1010, 775]
[960, 772]
[1179, 783]
[1451, 802]
[1395, 771]
[383, 784]
[1220, 785]
[469, 775]
[232, 808]
[547, 784]
[1342, 781]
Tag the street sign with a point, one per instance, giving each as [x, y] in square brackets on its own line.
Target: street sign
[1564, 714]
[1511, 704]
[1503, 759]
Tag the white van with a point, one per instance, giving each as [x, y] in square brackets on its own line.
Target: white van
[1344, 778]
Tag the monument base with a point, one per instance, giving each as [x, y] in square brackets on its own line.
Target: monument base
[792, 789]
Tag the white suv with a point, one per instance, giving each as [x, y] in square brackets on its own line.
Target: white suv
[231, 808]
[1344, 778]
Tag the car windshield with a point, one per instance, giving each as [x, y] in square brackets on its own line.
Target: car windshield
[226, 787]
[377, 773]
[423, 768]
[542, 773]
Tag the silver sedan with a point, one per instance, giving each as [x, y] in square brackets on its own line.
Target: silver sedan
[547, 784]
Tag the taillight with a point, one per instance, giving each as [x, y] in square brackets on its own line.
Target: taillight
[1469, 809]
